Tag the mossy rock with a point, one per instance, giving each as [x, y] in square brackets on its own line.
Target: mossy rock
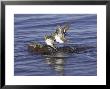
[45, 49]
[39, 48]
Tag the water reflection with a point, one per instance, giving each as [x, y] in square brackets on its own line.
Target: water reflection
[56, 62]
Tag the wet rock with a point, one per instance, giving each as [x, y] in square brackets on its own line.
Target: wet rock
[38, 48]
[45, 49]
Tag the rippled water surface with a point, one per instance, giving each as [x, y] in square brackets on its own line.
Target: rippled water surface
[33, 27]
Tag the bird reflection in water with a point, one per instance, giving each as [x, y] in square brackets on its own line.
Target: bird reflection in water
[56, 62]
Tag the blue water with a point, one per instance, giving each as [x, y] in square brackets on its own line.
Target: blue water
[33, 27]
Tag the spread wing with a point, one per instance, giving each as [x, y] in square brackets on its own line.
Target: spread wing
[59, 29]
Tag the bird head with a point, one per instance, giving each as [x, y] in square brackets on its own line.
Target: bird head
[65, 28]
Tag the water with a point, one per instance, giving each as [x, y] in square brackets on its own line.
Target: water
[33, 27]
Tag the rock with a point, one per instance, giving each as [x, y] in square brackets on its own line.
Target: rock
[38, 48]
[45, 49]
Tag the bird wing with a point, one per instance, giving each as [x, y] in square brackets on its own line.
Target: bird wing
[63, 37]
[59, 29]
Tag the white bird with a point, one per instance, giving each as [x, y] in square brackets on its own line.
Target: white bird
[60, 34]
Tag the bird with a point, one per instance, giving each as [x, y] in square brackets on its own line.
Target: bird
[60, 33]
[49, 39]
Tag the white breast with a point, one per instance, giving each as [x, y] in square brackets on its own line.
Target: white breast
[58, 39]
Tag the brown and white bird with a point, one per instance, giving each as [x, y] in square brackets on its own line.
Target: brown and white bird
[60, 33]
